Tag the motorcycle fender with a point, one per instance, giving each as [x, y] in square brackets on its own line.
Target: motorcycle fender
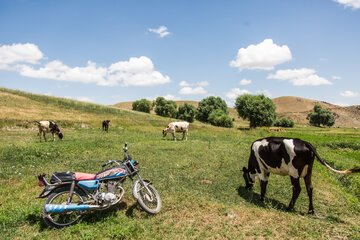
[49, 189]
[135, 194]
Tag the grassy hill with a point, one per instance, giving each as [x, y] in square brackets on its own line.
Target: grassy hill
[200, 181]
[297, 109]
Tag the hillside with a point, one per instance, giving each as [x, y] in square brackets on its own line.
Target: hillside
[294, 108]
[297, 109]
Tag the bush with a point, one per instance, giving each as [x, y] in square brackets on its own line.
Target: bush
[321, 116]
[187, 112]
[284, 122]
[142, 105]
[165, 108]
[220, 119]
[258, 109]
[207, 105]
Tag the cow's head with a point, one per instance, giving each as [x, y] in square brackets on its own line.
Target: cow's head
[249, 179]
[61, 136]
[164, 132]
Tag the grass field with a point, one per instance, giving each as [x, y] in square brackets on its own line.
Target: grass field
[199, 180]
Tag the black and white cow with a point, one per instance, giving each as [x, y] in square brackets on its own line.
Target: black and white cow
[284, 156]
[174, 127]
[47, 127]
[105, 125]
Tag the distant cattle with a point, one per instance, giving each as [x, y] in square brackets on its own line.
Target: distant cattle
[49, 127]
[174, 127]
[284, 156]
[105, 125]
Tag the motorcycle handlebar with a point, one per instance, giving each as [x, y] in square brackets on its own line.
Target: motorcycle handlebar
[104, 165]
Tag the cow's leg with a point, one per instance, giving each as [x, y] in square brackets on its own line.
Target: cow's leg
[263, 185]
[44, 136]
[40, 135]
[186, 134]
[174, 136]
[309, 189]
[296, 191]
[264, 178]
[53, 136]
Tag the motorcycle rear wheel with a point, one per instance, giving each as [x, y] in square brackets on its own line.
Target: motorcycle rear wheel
[150, 202]
[63, 219]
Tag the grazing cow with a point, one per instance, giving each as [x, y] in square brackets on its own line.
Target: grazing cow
[174, 127]
[284, 156]
[47, 127]
[105, 125]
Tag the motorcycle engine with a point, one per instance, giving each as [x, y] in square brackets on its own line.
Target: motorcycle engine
[110, 196]
[107, 198]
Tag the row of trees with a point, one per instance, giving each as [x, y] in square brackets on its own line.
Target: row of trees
[212, 110]
[258, 109]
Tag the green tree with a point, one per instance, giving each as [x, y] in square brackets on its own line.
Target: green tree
[207, 105]
[165, 108]
[320, 117]
[187, 112]
[284, 122]
[142, 105]
[258, 109]
[220, 119]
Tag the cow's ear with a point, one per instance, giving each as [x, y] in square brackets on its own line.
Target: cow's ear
[244, 169]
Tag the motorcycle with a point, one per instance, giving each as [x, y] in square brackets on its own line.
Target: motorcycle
[70, 195]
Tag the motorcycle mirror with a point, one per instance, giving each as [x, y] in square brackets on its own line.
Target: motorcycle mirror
[125, 144]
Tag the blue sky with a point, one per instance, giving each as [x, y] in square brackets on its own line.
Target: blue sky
[114, 51]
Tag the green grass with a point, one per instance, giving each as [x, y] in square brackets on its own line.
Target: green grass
[199, 181]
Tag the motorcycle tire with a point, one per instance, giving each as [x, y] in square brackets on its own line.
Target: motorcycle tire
[149, 203]
[63, 219]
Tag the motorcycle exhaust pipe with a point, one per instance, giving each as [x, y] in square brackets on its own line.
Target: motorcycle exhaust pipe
[67, 208]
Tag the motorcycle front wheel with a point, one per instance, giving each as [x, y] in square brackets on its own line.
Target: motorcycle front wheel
[63, 219]
[150, 200]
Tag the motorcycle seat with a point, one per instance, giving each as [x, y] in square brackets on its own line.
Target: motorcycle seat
[84, 176]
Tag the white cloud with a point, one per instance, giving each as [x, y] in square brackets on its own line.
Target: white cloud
[19, 53]
[56, 70]
[336, 77]
[171, 97]
[85, 99]
[162, 31]
[300, 77]
[184, 84]
[349, 94]
[192, 91]
[81, 98]
[265, 92]
[235, 92]
[354, 4]
[264, 56]
[135, 72]
[342, 104]
[245, 82]
[203, 83]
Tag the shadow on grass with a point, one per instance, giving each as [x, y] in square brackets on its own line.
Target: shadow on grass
[254, 198]
[90, 218]
[34, 219]
[243, 128]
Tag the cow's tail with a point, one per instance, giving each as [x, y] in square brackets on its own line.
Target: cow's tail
[323, 162]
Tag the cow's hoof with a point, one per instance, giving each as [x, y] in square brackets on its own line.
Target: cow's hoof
[289, 209]
[311, 212]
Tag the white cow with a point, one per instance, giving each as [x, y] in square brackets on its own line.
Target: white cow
[174, 127]
[47, 127]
